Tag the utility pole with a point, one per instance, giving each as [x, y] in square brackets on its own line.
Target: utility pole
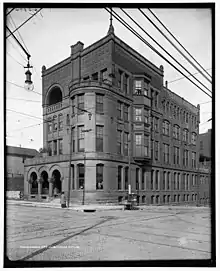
[70, 159]
[83, 199]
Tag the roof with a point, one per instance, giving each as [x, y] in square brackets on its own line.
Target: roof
[21, 151]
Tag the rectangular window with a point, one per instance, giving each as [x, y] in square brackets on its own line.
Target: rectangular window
[156, 157]
[126, 84]
[193, 160]
[119, 177]
[49, 127]
[146, 145]
[81, 176]
[73, 138]
[138, 114]
[104, 75]
[152, 148]
[185, 157]
[99, 138]
[67, 119]
[126, 178]
[137, 178]
[55, 147]
[80, 104]
[125, 144]
[166, 153]
[126, 108]
[138, 138]
[176, 156]
[81, 139]
[50, 148]
[166, 128]
[193, 138]
[143, 179]
[137, 87]
[99, 177]
[156, 124]
[120, 79]
[60, 146]
[119, 139]
[60, 125]
[95, 76]
[156, 100]
[146, 116]
[99, 103]
[55, 126]
[119, 110]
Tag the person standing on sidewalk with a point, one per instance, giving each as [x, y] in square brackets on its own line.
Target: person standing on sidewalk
[63, 200]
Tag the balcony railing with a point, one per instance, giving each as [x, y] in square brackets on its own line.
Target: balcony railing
[54, 107]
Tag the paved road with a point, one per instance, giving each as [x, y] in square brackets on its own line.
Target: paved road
[36, 234]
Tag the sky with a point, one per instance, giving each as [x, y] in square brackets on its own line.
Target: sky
[49, 35]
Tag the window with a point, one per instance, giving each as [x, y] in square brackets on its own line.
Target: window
[146, 116]
[99, 138]
[73, 138]
[143, 179]
[60, 146]
[81, 136]
[193, 180]
[187, 118]
[55, 147]
[188, 182]
[73, 177]
[152, 149]
[81, 176]
[125, 143]
[126, 84]
[119, 137]
[176, 131]
[126, 178]
[67, 119]
[49, 127]
[146, 145]
[176, 155]
[156, 100]
[120, 79]
[175, 180]
[55, 126]
[178, 113]
[104, 75]
[169, 181]
[179, 181]
[156, 124]
[201, 145]
[185, 135]
[193, 160]
[80, 104]
[152, 180]
[126, 108]
[60, 124]
[185, 157]
[119, 110]
[174, 111]
[95, 76]
[138, 114]
[157, 180]
[138, 138]
[156, 157]
[99, 176]
[73, 105]
[119, 177]
[164, 180]
[99, 103]
[143, 199]
[86, 78]
[166, 153]
[49, 148]
[137, 178]
[166, 127]
[137, 87]
[193, 138]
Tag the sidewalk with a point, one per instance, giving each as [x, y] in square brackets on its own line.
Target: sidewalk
[72, 206]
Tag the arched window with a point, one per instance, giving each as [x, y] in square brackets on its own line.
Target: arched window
[55, 96]
[99, 176]
[166, 127]
[185, 135]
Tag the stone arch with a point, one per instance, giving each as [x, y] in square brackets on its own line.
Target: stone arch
[55, 167]
[41, 169]
[30, 171]
[58, 97]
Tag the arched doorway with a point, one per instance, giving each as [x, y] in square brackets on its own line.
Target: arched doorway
[57, 184]
[45, 183]
[34, 183]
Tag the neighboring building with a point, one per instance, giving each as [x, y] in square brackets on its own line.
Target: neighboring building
[205, 168]
[127, 128]
[15, 157]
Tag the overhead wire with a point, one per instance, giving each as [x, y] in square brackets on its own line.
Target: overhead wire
[19, 99]
[16, 49]
[9, 11]
[22, 87]
[143, 40]
[184, 77]
[165, 50]
[15, 59]
[178, 41]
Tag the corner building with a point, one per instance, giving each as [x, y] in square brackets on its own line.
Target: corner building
[106, 110]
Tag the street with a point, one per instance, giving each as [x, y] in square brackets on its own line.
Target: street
[35, 234]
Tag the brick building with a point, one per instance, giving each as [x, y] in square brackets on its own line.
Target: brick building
[109, 106]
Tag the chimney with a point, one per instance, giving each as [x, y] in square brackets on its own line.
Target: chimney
[78, 47]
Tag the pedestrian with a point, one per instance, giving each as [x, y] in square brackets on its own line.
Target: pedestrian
[63, 200]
